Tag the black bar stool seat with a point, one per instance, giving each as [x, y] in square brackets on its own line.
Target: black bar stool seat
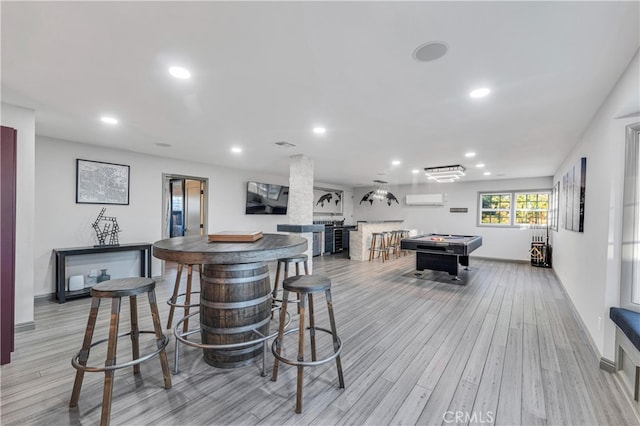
[305, 286]
[115, 290]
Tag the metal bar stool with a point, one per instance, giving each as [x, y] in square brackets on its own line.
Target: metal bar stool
[115, 290]
[306, 285]
[378, 246]
[173, 301]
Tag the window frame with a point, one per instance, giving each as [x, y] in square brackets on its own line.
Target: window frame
[630, 250]
[512, 210]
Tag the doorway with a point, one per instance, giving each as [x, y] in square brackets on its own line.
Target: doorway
[184, 206]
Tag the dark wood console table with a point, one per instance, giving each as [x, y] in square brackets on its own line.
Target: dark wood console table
[61, 254]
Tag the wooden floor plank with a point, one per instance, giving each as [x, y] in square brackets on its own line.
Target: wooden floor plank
[415, 349]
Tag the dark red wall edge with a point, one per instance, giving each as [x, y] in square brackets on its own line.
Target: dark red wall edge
[8, 149]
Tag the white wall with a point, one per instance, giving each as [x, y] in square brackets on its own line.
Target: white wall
[588, 263]
[60, 222]
[502, 243]
[23, 120]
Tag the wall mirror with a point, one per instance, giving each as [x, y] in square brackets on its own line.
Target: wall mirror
[328, 201]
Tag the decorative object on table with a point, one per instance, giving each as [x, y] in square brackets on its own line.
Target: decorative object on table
[235, 236]
[76, 282]
[380, 192]
[92, 278]
[109, 229]
[573, 189]
[101, 183]
[103, 276]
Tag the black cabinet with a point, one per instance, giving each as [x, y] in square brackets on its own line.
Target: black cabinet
[61, 255]
[328, 240]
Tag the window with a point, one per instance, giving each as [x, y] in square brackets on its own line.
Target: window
[532, 208]
[495, 209]
[630, 270]
[514, 208]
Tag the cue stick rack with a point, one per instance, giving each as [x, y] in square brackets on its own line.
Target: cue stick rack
[540, 249]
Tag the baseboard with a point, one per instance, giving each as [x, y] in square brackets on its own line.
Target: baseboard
[25, 326]
[497, 259]
[607, 365]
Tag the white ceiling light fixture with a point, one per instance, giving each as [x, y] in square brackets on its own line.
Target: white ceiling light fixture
[179, 72]
[470, 154]
[415, 171]
[109, 120]
[319, 130]
[395, 162]
[480, 165]
[236, 150]
[380, 190]
[487, 173]
[480, 93]
[445, 173]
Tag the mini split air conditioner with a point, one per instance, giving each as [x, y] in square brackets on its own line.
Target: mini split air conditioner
[426, 199]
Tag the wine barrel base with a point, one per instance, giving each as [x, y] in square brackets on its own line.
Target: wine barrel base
[235, 300]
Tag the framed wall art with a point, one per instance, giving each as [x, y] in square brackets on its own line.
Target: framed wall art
[101, 183]
[573, 190]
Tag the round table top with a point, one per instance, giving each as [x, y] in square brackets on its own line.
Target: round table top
[198, 250]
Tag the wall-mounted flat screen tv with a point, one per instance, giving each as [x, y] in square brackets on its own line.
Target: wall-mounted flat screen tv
[266, 198]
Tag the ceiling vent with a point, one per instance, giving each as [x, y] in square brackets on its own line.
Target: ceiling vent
[285, 144]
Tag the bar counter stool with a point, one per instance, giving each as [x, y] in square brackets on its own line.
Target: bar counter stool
[115, 290]
[306, 285]
[173, 301]
[296, 260]
[378, 245]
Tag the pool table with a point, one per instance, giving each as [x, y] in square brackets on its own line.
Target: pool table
[442, 252]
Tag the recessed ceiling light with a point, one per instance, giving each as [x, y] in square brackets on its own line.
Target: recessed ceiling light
[430, 51]
[179, 72]
[163, 145]
[470, 154]
[415, 171]
[487, 173]
[109, 120]
[319, 130]
[396, 162]
[479, 165]
[480, 93]
[236, 150]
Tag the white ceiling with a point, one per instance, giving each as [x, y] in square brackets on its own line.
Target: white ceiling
[264, 72]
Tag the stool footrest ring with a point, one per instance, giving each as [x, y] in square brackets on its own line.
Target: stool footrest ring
[176, 305]
[180, 336]
[306, 363]
[163, 344]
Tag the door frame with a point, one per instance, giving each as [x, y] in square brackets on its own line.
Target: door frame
[165, 213]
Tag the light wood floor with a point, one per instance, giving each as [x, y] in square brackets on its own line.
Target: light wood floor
[504, 348]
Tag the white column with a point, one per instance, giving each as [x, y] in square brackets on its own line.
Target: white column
[301, 197]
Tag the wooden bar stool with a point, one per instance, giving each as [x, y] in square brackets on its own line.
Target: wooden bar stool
[378, 245]
[173, 301]
[296, 260]
[393, 243]
[115, 290]
[403, 233]
[306, 285]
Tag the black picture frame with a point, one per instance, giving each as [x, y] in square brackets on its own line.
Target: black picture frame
[98, 182]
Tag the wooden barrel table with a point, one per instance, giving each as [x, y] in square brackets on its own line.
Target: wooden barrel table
[235, 291]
